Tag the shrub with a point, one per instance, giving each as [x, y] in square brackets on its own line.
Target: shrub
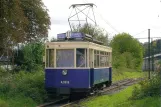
[30, 57]
[148, 87]
[2, 71]
[27, 84]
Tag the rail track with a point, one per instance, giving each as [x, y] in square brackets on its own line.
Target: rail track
[115, 87]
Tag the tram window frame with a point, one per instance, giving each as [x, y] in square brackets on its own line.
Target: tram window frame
[96, 59]
[108, 58]
[106, 64]
[91, 58]
[49, 59]
[85, 58]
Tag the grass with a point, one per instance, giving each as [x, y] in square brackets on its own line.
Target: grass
[124, 73]
[17, 101]
[145, 102]
[121, 99]
[110, 100]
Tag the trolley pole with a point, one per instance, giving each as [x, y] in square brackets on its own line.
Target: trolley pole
[149, 52]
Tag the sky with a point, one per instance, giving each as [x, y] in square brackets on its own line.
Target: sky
[115, 16]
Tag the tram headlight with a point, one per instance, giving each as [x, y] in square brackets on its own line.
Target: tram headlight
[64, 72]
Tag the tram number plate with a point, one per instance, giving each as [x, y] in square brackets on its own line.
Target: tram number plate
[64, 82]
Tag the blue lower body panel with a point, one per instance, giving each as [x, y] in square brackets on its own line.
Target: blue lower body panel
[100, 75]
[75, 78]
[79, 80]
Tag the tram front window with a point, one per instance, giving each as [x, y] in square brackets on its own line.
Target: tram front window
[81, 57]
[65, 58]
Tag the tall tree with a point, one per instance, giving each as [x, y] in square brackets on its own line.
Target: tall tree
[22, 21]
[97, 32]
[12, 23]
[38, 18]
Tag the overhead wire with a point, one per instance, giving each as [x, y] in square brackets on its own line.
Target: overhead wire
[107, 22]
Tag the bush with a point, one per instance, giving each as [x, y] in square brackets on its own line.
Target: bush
[27, 84]
[147, 88]
[2, 71]
[127, 51]
[30, 57]
[125, 60]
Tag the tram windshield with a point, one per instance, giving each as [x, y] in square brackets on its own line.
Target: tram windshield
[65, 58]
[80, 58]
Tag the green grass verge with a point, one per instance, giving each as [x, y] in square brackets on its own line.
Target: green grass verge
[22, 89]
[124, 73]
[122, 100]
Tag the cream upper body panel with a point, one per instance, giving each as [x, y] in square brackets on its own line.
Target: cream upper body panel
[77, 44]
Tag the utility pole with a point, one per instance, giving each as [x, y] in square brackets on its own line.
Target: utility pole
[149, 52]
[152, 54]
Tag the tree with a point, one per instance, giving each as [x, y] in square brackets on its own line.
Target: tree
[125, 45]
[30, 56]
[53, 39]
[94, 31]
[13, 23]
[22, 21]
[38, 18]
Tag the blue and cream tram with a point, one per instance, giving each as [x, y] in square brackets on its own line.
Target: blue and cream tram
[77, 63]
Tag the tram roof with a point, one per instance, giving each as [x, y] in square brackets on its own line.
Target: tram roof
[76, 44]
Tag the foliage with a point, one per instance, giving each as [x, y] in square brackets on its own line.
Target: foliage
[22, 21]
[13, 23]
[127, 51]
[24, 87]
[155, 47]
[38, 19]
[94, 31]
[30, 57]
[3, 103]
[2, 71]
[53, 39]
[148, 88]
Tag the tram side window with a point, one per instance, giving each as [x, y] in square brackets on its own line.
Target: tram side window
[50, 58]
[81, 57]
[102, 59]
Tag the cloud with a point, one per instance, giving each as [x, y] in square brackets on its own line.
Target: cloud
[131, 16]
[59, 22]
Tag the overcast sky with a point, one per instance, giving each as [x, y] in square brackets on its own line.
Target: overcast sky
[130, 16]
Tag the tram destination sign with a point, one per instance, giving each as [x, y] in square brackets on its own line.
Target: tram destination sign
[72, 35]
